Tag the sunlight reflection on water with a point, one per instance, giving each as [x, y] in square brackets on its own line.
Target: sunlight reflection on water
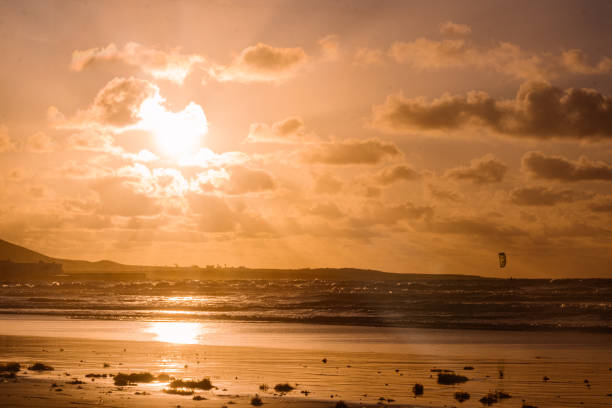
[177, 332]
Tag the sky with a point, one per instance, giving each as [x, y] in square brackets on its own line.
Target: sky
[412, 136]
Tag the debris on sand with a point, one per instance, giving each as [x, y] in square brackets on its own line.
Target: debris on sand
[92, 375]
[131, 379]
[177, 392]
[525, 405]
[468, 368]
[493, 397]
[10, 367]
[418, 389]
[462, 396]
[198, 398]
[203, 384]
[451, 378]
[163, 377]
[324, 361]
[545, 378]
[75, 381]
[256, 401]
[40, 367]
[341, 404]
[264, 387]
[283, 387]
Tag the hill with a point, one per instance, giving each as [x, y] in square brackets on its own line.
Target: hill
[77, 270]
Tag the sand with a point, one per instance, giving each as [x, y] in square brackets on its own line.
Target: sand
[368, 379]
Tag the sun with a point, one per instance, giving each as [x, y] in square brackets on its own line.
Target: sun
[176, 133]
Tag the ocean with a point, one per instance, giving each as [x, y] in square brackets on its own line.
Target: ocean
[445, 303]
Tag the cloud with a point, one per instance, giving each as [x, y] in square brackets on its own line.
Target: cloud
[601, 204]
[542, 196]
[214, 215]
[117, 104]
[475, 227]
[6, 144]
[330, 46]
[441, 194]
[370, 151]
[487, 169]
[576, 61]
[170, 65]
[117, 197]
[235, 180]
[39, 142]
[261, 63]
[327, 183]
[290, 130]
[379, 214]
[450, 28]
[390, 175]
[506, 58]
[83, 170]
[562, 169]
[539, 110]
[206, 158]
[368, 56]
[326, 210]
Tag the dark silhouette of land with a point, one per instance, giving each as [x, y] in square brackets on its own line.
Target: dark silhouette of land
[19, 263]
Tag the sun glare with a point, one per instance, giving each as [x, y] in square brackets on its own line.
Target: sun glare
[176, 133]
[176, 332]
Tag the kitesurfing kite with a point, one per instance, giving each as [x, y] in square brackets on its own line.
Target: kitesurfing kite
[502, 259]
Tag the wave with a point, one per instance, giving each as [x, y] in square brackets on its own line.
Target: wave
[571, 304]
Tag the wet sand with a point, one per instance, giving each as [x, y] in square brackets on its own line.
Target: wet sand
[358, 378]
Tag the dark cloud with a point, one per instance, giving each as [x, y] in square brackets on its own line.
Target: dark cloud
[543, 196]
[392, 174]
[118, 103]
[539, 110]
[487, 169]
[371, 151]
[560, 168]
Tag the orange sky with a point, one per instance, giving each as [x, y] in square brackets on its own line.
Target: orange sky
[403, 136]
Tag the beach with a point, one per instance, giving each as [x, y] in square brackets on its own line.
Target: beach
[359, 365]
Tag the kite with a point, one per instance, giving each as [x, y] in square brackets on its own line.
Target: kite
[502, 259]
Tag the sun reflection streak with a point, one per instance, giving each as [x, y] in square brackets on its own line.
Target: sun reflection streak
[176, 332]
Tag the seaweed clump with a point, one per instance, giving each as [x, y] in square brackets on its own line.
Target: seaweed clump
[418, 389]
[203, 384]
[283, 387]
[462, 396]
[451, 378]
[10, 367]
[178, 392]
[40, 367]
[131, 379]
[493, 397]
